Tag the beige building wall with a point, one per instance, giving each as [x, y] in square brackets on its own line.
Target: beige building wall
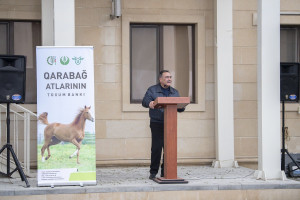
[21, 10]
[123, 135]
[245, 87]
[244, 77]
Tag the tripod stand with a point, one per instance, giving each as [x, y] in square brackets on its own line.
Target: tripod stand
[10, 150]
[284, 150]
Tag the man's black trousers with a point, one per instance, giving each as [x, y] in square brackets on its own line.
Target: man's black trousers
[157, 132]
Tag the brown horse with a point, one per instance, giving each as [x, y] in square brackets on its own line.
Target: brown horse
[54, 133]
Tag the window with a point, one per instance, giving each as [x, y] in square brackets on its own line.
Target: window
[154, 47]
[21, 38]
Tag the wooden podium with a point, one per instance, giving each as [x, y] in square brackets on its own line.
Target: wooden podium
[170, 105]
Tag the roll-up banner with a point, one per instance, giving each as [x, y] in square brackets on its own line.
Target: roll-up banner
[66, 150]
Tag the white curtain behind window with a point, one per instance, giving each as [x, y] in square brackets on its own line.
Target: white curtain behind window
[144, 60]
[23, 41]
[178, 57]
[288, 45]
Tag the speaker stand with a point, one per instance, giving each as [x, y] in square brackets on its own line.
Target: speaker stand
[284, 150]
[10, 150]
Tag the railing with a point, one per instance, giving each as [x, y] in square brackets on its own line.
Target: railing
[17, 115]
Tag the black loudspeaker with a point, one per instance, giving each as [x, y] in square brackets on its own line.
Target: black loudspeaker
[12, 78]
[289, 82]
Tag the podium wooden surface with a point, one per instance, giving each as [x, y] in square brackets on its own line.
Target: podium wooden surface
[170, 105]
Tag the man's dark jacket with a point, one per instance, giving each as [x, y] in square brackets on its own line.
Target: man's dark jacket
[157, 115]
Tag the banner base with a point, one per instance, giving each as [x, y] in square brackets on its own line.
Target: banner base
[56, 184]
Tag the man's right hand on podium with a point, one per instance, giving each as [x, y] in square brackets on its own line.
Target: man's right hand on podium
[151, 104]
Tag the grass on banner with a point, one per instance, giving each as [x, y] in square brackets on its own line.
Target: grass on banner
[60, 157]
[83, 176]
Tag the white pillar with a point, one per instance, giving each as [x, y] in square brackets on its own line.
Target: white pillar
[224, 128]
[268, 90]
[58, 23]
[47, 23]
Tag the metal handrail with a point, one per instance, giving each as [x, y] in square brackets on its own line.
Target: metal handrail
[27, 114]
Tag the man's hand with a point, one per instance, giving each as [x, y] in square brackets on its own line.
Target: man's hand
[151, 104]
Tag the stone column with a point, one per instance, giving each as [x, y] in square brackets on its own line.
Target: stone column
[224, 124]
[268, 90]
[58, 23]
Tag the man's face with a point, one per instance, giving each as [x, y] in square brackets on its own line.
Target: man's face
[165, 80]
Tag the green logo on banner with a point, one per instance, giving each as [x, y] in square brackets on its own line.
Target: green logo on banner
[51, 60]
[64, 60]
[78, 60]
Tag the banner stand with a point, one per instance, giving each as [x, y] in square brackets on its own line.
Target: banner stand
[65, 106]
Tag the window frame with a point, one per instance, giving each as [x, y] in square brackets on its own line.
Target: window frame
[200, 48]
[159, 50]
[9, 30]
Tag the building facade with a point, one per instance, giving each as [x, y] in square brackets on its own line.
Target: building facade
[184, 35]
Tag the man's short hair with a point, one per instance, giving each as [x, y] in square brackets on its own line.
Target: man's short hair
[163, 71]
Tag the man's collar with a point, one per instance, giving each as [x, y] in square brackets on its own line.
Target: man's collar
[171, 89]
[164, 87]
[168, 88]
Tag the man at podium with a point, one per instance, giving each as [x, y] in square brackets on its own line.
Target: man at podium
[162, 89]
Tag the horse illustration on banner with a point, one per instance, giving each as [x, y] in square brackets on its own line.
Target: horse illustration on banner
[54, 133]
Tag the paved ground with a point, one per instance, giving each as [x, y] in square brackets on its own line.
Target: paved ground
[135, 179]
